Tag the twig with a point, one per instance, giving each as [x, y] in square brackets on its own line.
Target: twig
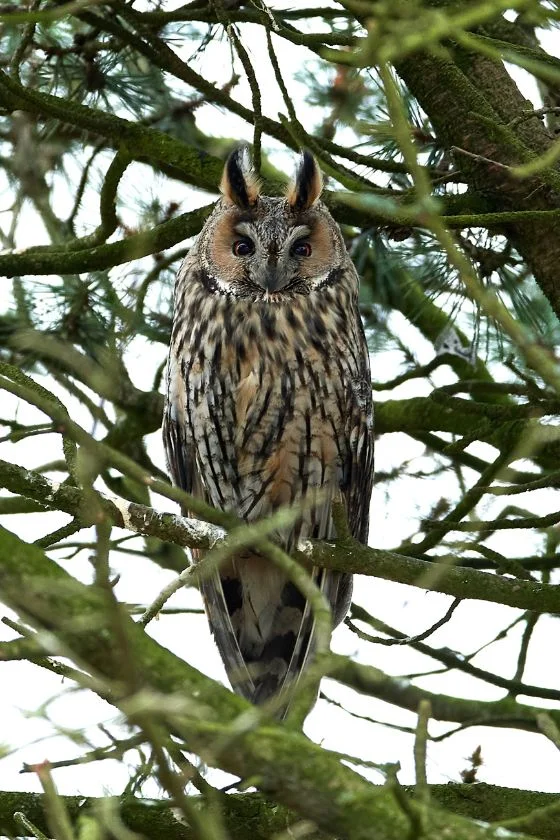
[538, 112]
[422, 791]
[255, 95]
[531, 623]
[481, 159]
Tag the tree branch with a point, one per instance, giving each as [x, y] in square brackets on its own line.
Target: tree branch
[250, 811]
[221, 727]
[347, 555]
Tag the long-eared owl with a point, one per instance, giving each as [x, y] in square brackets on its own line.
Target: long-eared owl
[269, 404]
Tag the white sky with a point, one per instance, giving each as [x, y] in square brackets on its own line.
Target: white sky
[24, 687]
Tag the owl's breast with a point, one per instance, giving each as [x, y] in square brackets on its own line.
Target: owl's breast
[269, 401]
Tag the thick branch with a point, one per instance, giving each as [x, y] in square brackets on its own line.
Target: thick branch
[140, 519]
[250, 813]
[470, 103]
[369, 680]
[140, 142]
[55, 261]
[460, 582]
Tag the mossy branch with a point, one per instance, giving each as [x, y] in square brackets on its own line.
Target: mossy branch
[291, 770]
[54, 260]
[350, 557]
[141, 142]
[373, 682]
[472, 102]
[252, 812]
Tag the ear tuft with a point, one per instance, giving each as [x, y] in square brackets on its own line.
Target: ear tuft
[239, 184]
[307, 187]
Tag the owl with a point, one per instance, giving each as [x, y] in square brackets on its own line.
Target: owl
[269, 404]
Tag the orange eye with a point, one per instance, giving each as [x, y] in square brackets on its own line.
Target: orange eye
[301, 249]
[243, 247]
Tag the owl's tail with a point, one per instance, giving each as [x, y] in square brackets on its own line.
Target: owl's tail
[265, 643]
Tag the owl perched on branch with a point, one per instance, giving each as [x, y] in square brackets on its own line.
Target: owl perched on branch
[269, 404]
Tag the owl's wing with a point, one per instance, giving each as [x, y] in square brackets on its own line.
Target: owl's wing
[181, 461]
[357, 479]
[355, 487]
[357, 483]
[180, 455]
[218, 611]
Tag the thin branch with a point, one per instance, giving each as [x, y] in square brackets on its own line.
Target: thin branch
[453, 660]
[348, 556]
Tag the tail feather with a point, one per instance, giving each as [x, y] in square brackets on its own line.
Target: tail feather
[221, 626]
[264, 658]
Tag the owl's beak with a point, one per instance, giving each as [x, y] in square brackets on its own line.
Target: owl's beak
[272, 280]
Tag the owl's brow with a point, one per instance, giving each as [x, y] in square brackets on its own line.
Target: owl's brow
[244, 228]
[247, 228]
[299, 232]
[242, 218]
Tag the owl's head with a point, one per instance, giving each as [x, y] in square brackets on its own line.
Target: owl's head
[261, 247]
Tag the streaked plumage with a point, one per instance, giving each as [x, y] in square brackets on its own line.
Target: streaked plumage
[269, 402]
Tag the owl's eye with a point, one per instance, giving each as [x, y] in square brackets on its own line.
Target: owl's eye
[301, 249]
[243, 247]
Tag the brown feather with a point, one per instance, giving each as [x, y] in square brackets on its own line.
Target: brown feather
[269, 403]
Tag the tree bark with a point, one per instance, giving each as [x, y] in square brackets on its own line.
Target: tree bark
[471, 102]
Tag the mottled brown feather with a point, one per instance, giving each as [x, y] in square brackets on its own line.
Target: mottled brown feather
[269, 403]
